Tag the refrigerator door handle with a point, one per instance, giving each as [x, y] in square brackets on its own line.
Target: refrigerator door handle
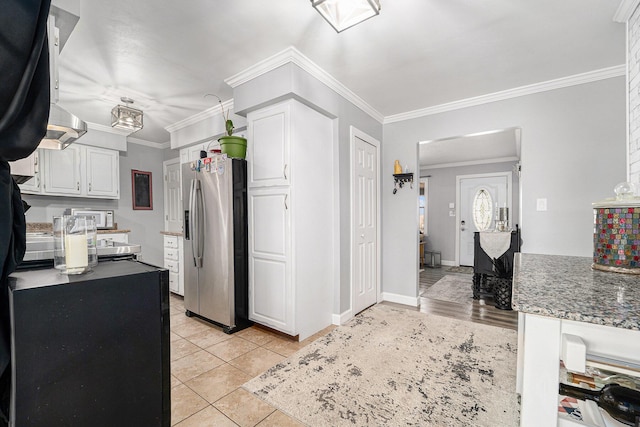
[198, 231]
[193, 217]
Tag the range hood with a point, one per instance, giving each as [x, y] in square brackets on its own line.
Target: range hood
[62, 130]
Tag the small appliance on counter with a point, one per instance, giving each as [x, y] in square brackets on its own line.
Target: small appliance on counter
[616, 235]
[104, 217]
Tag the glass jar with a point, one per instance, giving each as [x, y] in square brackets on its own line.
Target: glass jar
[92, 240]
[70, 249]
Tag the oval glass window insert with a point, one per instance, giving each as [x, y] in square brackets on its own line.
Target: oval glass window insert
[482, 210]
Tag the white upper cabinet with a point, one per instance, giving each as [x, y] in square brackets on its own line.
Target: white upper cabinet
[102, 172]
[269, 152]
[76, 171]
[29, 166]
[61, 171]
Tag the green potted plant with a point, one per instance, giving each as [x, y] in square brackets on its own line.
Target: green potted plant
[234, 146]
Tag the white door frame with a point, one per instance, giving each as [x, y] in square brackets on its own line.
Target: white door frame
[166, 198]
[356, 133]
[508, 175]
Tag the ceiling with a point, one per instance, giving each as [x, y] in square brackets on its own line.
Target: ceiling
[487, 147]
[167, 54]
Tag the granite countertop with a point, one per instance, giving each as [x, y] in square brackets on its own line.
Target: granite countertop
[171, 233]
[117, 230]
[566, 287]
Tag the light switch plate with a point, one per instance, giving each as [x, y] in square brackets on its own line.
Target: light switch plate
[452, 205]
[541, 204]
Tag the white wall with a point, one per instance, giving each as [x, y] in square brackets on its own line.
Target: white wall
[573, 154]
[145, 226]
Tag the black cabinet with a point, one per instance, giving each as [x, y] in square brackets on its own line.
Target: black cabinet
[92, 349]
[485, 280]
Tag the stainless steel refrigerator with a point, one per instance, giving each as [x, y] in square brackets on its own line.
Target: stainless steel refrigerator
[214, 194]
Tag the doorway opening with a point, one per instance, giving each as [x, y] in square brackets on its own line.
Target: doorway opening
[483, 154]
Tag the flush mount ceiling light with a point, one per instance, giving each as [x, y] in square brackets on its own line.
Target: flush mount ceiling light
[343, 14]
[125, 117]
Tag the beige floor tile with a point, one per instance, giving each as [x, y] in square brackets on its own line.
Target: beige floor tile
[184, 403]
[284, 346]
[178, 319]
[175, 381]
[218, 382]
[192, 327]
[174, 337]
[256, 335]
[319, 334]
[244, 408]
[208, 337]
[256, 361]
[279, 419]
[181, 348]
[231, 348]
[208, 417]
[194, 364]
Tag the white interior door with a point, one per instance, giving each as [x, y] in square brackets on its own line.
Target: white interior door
[495, 190]
[365, 224]
[172, 199]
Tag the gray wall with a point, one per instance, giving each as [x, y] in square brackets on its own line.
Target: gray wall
[144, 225]
[573, 154]
[291, 81]
[441, 227]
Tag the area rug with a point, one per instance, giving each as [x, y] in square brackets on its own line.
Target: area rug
[390, 366]
[460, 269]
[451, 288]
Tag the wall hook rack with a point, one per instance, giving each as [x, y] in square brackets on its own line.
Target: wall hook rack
[400, 179]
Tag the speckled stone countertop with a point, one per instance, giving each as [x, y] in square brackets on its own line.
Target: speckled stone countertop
[566, 287]
[171, 233]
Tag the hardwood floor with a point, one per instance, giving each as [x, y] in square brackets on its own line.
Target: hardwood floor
[478, 311]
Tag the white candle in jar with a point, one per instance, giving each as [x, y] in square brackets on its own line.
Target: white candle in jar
[76, 254]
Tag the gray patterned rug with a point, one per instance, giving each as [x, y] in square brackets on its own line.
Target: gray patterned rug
[395, 367]
[451, 288]
[460, 269]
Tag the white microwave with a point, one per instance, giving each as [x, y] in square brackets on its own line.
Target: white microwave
[103, 217]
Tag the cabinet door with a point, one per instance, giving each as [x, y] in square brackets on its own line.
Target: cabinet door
[62, 171]
[270, 292]
[268, 146]
[102, 172]
[28, 166]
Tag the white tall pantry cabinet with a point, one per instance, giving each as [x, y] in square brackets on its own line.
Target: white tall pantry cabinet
[291, 219]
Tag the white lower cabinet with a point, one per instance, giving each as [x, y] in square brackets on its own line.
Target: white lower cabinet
[173, 261]
[271, 295]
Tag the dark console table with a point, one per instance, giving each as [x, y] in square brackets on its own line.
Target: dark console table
[486, 283]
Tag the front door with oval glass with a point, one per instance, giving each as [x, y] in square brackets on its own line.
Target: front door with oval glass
[480, 195]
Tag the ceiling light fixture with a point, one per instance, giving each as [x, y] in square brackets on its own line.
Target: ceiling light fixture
[125, 117]
[343, 14]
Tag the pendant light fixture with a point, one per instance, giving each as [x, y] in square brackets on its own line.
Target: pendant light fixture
[126, 117]
[343, 14]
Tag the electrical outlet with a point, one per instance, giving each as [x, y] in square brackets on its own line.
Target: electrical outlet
[541, 205]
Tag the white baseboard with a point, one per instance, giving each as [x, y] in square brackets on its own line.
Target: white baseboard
[400, 299]
[341, 319]
[448, 263]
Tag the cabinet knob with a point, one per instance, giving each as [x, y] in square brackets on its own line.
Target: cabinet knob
[78, 186]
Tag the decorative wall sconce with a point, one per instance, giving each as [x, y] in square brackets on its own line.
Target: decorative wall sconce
[400, 179]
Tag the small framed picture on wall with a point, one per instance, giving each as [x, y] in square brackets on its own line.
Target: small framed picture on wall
[141, 190]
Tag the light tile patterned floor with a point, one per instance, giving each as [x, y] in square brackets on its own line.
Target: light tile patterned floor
[208, 368]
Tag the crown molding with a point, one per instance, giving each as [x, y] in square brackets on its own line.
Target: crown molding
[159, 146]
[107, 129]
[293, 55]
[577, 79]
[206, 114]
[469, 163]
[625, 10]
